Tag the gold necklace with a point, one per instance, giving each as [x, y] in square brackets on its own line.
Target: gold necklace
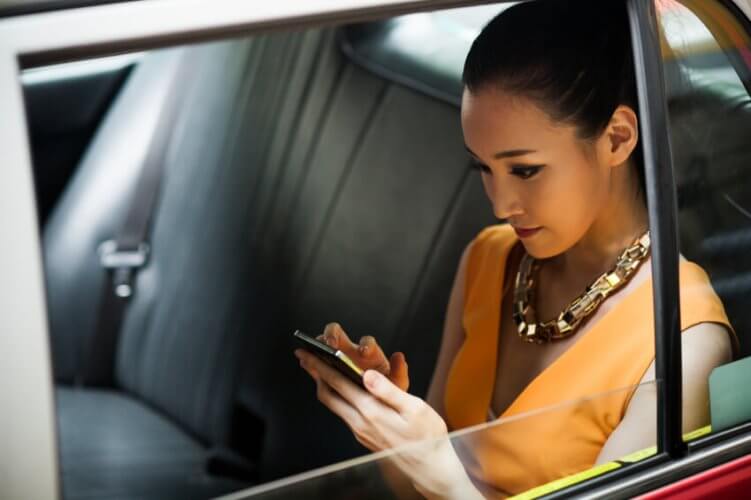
[567, 321]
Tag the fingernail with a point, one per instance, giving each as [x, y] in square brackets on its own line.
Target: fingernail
[371, 378]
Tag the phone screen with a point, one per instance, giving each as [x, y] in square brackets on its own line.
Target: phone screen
[334, 357]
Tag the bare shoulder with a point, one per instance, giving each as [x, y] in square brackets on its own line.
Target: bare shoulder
[703, 347]
[706, 344]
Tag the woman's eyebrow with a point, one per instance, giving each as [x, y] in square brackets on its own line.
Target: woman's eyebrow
[513, 152]
[504, 154]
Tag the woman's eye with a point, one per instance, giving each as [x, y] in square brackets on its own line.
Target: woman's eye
[525, 171]
[480, 166]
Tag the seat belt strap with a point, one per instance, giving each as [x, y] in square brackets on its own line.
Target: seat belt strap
[123, 256]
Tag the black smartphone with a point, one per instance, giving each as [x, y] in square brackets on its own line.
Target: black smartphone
[334, 357]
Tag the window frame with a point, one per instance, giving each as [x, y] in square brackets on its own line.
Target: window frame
[40, 38]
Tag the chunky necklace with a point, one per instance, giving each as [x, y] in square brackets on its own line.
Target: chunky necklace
[567, 321]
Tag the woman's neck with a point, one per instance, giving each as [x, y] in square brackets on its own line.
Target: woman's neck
[622, 220]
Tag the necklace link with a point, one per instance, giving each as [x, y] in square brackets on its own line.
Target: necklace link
[569, 320]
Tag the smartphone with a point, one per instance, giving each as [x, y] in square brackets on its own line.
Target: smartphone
[334, 357]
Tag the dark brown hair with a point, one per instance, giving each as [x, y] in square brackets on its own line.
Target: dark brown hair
[573, 58]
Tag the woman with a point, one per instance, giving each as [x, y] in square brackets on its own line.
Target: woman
[548, 116]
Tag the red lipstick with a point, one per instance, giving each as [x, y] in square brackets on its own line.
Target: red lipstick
[526, 233]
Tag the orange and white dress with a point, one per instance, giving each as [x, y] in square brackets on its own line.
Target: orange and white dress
[607, 362]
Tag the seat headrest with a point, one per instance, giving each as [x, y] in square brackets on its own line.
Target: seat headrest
[424, 52]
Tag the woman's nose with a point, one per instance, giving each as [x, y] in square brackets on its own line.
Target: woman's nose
[505, 200]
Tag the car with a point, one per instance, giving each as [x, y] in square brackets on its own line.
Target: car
[186, 183]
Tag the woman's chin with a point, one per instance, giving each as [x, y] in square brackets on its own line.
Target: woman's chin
[539, 249]
[538, 255]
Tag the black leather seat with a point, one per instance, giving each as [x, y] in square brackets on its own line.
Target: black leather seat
[175, 376]
[300, 188]
[710, 118]
[115, 446]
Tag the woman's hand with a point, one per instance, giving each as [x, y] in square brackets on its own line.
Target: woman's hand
[368, 355]
[385, 417]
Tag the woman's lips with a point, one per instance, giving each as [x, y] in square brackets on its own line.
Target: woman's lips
[522, 232]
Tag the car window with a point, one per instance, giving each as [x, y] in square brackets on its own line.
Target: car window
[706, 54]
[291, 196]
[376, 476]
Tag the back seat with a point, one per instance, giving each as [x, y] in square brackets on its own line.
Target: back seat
[300, 189]
[710, 116]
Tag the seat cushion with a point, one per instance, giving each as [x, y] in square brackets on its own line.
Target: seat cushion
[113, 447]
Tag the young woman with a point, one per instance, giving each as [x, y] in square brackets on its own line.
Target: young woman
[549, 118]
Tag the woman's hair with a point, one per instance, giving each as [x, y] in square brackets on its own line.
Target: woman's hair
[572, 58]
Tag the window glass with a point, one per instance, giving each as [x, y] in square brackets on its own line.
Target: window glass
[706, 54]
[481, 458]
[308, 177]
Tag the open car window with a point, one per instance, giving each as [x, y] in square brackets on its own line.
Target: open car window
[308, 176]
[706, 51]
[314, 175]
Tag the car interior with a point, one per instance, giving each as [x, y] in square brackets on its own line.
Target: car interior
[309, 177]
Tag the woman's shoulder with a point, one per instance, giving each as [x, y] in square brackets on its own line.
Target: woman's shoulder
[491, 243]
[486, 253]
[699, 301]
[695, 286]
[497, 235]
[694, 282]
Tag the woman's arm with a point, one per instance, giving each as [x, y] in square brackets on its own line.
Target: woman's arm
[703, 347]
[451, 341]
[384, 417]
[344, 401]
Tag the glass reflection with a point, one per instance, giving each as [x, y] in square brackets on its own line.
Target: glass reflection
[377, 475]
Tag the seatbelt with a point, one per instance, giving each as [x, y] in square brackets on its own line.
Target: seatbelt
[123, 256]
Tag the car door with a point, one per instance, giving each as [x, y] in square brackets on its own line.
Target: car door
[24, 312]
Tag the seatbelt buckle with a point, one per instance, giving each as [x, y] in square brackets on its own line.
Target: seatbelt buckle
[123, 263]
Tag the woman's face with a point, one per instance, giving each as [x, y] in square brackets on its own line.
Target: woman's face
[538, 175]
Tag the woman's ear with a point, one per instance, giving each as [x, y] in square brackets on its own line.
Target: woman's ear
[620, 136]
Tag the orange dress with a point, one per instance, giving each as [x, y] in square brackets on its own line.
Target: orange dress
[607, 362]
